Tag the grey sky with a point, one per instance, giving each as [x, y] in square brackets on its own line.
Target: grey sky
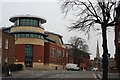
[50, 10]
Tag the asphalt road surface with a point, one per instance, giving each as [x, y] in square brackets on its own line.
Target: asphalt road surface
[57, 75]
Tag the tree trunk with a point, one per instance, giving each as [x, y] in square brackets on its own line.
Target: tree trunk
[105, 52]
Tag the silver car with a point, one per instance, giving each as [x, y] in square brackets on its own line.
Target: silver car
[71, 66]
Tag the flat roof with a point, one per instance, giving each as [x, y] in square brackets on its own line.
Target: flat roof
[14, 18]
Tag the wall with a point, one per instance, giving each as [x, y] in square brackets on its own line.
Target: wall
[19, 52]
[38, 53]
[10, 51]
[27, 28]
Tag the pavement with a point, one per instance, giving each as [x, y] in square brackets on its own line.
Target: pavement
[59, 74]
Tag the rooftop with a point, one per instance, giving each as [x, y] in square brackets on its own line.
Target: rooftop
[14, 18]
[47, 32]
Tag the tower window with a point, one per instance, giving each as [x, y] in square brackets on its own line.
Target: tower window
[27, 35]
[28, 22]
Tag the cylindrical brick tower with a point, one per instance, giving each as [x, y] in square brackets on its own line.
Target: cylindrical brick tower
[29, 40]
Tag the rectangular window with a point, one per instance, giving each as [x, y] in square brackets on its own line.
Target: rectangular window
[27, 22]
[30, 22]
[27, 35]
[19, 35]
[39, 36]
[28, 54]
[53, 52]
[34, 22]
[22, 35]
[6, 44]
[17, 22]
[59, 53]
[31, 35]
[23, 22]
[36, 36]
[119, 37]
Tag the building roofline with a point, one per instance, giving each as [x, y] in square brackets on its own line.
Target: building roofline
[47, 32]
[13, 19]
[46, 38]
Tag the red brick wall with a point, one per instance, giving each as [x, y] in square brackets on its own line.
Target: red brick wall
[10, 51]
[47, 54]
[85, 61]
[19, 52]
[38, 53]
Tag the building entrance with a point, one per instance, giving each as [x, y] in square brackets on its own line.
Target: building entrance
[28, 56]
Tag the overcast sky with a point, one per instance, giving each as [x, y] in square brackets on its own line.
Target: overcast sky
[50, 10]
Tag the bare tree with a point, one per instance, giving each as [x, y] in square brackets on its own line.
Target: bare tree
[79, 48]
[87, 14]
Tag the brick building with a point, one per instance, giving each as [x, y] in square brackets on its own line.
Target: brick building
[7, 48]
[85, 62]
[54, 51]
[84, 59]
[34, 47]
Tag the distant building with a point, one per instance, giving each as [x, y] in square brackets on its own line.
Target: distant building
[112, 63]
[34, 47]
[84, 59]
[69, 56]
[85, 62]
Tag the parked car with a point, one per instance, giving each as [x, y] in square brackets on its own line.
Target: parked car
[71, 66]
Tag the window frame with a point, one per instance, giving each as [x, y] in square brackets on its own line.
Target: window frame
[28, 22]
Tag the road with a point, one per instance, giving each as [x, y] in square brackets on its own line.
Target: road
[56, 74]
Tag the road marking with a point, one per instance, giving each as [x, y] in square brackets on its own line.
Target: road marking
[94, 75]
[97, 76]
